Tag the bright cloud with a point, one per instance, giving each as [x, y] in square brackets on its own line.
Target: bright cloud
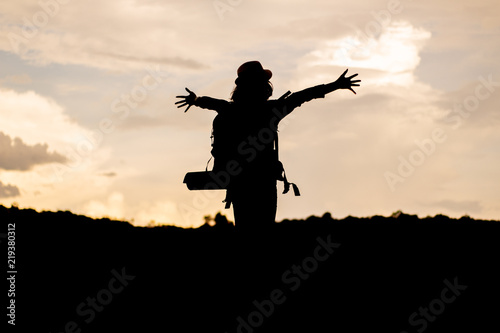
[37, 119]
[113, 207]
[51, 154]
[159, 212]
[395, 52]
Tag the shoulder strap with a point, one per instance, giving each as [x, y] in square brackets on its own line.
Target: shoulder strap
[286, 183]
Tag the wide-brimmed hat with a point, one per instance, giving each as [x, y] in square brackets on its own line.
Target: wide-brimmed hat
[253, 70]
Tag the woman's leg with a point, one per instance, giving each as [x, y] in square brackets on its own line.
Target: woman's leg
[255, 205]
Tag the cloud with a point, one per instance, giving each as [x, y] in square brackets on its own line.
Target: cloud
[108, 174]
[112, 207]
[474, 105]
[58, 155]
[36, 118]
[464, 206]
[143, 121]
[172, 61]
[161, 212]
[138, 34]
[21, 79]
[7, 191]
[394, 53]
[16, 155]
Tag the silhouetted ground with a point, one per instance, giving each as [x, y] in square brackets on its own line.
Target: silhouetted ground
[76, 274]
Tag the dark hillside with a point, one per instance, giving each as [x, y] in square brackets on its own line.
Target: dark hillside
[379, 274]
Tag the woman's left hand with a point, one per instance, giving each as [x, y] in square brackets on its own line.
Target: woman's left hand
[344, 82]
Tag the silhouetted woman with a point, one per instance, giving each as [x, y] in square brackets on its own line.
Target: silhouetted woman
[245, 139]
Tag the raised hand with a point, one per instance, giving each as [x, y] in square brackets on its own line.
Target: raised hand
[186, 100]
[344, 82]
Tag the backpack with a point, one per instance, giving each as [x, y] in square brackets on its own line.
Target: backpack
[225, 139]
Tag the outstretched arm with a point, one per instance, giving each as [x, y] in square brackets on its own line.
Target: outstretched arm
[202, 102]
[289, 102]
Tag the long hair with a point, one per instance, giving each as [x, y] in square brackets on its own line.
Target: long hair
[251, 91]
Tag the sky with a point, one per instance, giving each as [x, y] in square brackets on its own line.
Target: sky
[88, 121]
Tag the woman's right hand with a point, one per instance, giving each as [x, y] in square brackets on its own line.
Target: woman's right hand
[186, 100]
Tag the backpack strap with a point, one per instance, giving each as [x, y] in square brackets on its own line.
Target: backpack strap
[287, 186]
[227, 200]
[208, 162]
[284, 179]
